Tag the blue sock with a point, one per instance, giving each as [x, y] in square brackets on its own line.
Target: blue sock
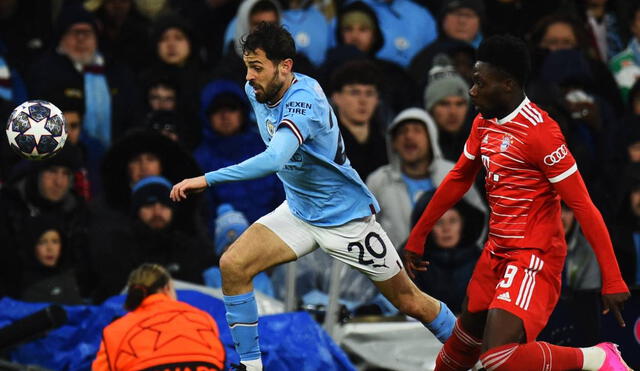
[242, 317]
[442, 325]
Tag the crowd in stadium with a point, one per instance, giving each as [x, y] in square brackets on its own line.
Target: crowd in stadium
[152, 93]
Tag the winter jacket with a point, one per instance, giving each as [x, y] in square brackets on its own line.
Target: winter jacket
[254, 198]
[391, 191]
[450, 269]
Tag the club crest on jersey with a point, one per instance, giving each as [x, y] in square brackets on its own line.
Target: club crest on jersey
[271, 128]
[506, 142]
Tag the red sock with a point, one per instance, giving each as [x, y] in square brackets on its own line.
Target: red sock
[460, 352]
[536, 356]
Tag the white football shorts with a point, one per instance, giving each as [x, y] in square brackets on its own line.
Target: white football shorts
[361, 243]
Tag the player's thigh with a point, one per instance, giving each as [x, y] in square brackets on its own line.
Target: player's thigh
[257, 249]
[524, 298]
[502, 327]
[363, 245]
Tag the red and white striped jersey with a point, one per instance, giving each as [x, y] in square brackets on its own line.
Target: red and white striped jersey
[523, 154]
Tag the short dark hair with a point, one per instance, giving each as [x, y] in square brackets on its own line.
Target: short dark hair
[507, 54]
[262, 6]
[362, 72]
[274, 39]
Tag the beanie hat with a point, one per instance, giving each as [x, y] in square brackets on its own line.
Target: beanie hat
[149, 191]
[230, 224]
[444, 82]
[452, 5]
[70, 14]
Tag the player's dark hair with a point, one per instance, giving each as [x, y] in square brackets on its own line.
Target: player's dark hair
[362, 72]
[262, 6]
[274, 39]
[507, 54]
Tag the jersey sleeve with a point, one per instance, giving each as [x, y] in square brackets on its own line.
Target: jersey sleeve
[300, 114]
[472, 145]
[549, 153]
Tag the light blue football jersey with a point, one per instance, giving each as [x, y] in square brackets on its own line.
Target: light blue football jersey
[321, 186]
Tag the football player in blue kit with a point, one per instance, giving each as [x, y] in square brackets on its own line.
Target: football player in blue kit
[327, 204]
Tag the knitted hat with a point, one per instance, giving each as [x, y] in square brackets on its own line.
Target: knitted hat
[149, 191]
[476, 5]
[444, 82]
[230, 224]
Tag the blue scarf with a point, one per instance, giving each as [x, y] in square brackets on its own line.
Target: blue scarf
[97, 99]
[634, 46]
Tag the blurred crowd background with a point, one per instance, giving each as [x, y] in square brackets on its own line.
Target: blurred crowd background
[152, 92]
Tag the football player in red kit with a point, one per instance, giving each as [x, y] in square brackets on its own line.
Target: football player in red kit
[517, 280]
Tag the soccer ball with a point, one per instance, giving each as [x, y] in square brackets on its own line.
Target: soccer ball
[36, 130]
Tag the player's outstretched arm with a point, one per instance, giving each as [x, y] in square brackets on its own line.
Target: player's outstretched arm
[453, 187]
[282, 146]
[614, 290]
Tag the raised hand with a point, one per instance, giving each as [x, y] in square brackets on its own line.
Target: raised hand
[181, 190]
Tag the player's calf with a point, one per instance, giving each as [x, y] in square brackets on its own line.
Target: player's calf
[460, 352]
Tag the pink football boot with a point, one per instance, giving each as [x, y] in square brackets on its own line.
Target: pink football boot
[613, 360]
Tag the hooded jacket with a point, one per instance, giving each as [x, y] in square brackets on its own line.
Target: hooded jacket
[450, 269]
[254, 198]
[391, 191]
[242, 25]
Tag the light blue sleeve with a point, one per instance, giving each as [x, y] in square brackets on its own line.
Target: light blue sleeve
[300, 113]
[282, 146]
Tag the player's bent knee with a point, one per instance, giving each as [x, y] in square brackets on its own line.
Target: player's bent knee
[233, 268]
[406, 305]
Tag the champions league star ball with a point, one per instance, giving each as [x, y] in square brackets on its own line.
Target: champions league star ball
[36, 130]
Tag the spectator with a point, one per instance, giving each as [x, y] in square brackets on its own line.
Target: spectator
[131, 342]
[249, 15]
[460, 24]
[43, 188]
[87, 177]
[25, 28]
[162, 95]
[12, 93]
[210, 19]
[124, 32]
[228, 227]
[176, 60]
[557, 32]
[153, 234]
[515, 17]
[229, 137]
[140, 154]
[452, 250]
[407, 28]
[625, 65]
[167, 123]
[309, 28]
[77, 69]
[417, 166]
[626, 230]
[581, 271]
[355, 89]
[446, 98]
[359, 36]
[47, 274]
[602, 27]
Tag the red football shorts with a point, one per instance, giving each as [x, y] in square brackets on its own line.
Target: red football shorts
[523, 283]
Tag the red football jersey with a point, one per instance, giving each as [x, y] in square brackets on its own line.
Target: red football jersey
[522, 155]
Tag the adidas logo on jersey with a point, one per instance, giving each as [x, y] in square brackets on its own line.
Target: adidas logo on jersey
[505, 296]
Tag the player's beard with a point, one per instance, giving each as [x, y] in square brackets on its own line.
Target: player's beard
[270, 91]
